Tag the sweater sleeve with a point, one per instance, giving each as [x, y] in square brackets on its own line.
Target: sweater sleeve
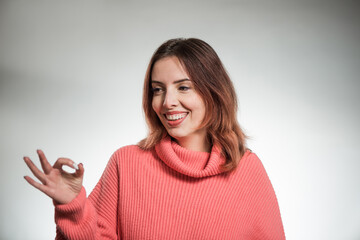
[268, 224]
[95, 217]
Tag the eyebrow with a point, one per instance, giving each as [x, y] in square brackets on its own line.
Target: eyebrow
[177, 81]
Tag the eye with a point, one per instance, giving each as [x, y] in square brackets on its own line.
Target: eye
[184, 88]
[157, 90]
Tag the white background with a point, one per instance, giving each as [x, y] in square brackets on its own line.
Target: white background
[71, 75]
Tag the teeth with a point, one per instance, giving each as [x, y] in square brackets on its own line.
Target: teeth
[174, 117]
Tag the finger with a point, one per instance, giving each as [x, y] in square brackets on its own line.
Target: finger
[44, 162]
[37, 185]
[80, 171]
[37, 173]
[64, 161]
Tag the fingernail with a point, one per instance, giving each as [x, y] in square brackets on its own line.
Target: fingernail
[75, 166]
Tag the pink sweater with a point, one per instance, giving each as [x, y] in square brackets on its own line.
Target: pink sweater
[174, 193]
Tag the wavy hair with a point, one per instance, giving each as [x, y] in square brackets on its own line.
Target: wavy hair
[213, 84]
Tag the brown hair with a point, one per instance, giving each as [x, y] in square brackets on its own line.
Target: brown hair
[211, 81]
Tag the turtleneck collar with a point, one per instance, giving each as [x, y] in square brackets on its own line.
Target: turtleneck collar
[188, 162]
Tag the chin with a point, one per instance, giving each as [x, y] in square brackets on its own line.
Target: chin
[177, 134]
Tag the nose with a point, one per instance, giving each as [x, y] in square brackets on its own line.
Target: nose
[170, 100]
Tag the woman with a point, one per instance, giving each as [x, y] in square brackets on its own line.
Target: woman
[191, 178]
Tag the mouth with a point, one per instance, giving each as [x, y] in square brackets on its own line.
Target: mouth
[174, 119]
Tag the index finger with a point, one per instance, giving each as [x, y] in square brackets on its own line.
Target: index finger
[44, 162]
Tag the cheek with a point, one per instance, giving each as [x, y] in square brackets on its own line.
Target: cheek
[155, 106]
[201, 108]
[197, 106]
[201, 111]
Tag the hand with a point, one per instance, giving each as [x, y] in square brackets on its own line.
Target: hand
[61, 186]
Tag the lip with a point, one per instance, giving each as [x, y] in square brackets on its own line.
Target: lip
[174, 123]
[174, 112]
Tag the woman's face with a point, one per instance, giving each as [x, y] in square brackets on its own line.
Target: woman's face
[175, 101]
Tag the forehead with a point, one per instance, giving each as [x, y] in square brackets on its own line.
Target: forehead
[168, 69]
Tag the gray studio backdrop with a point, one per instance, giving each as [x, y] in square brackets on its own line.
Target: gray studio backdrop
[71, 76]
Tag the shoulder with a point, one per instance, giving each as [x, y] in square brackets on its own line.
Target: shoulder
[250, 161]
[250, 166]
[129, 152]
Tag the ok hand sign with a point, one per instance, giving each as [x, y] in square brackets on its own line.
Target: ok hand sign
[58, 184]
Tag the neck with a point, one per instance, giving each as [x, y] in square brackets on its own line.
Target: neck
[198, 143]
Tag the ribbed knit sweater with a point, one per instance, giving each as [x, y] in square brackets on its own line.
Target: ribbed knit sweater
[174, 193]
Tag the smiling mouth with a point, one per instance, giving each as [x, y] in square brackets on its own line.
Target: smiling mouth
[175, 117]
